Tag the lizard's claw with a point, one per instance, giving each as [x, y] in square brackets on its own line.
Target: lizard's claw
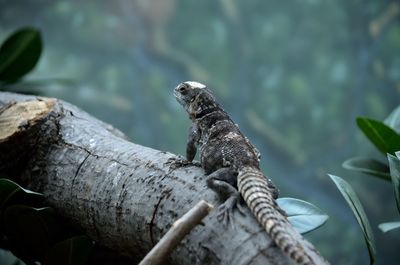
[180, 161]
[225, 215]
[225, 210]
[195, 163]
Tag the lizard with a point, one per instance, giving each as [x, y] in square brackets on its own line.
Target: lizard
[231, 164]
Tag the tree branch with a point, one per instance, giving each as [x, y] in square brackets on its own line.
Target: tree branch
[159, 253]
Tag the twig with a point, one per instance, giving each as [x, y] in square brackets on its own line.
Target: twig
[176, 233]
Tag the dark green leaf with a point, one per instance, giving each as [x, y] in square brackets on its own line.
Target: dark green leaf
[385, 227]
[6, 257]
[12, 193]
[358, 211]
[368, 166]
[30, 231]
[393, 120]
[382, 136]
[73, 251]
[19, 54]
[394, 164]
[304, 216]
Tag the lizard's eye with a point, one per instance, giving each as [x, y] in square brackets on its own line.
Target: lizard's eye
[183, 90]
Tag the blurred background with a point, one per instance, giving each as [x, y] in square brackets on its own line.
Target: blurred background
[293, 74]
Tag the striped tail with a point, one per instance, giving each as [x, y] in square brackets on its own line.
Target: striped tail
[258, 195]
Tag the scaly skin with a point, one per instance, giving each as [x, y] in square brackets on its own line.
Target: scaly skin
[232, 165]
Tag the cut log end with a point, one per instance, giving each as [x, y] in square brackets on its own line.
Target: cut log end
[19, 122]
[16, 118]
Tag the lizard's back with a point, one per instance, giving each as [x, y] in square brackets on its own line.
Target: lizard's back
[224, 145]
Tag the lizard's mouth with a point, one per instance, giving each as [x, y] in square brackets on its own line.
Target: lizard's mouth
[178, 95]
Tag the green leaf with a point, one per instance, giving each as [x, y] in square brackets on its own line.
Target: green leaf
[368, 166]
[31, 231]
[394, 164]
[304, 216]
[358, 211]
[73, 251]
[382, 136]
[12, 193]
[7, 258]
[393, 120]
[19, 54]
[385, 227]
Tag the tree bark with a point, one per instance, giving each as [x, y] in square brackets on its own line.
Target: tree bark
[125, 196]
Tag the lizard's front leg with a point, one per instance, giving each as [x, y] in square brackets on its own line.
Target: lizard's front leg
[192, 142]
[224, 182]
[191, 149]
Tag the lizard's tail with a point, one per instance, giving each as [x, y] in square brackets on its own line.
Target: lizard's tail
[258, 195]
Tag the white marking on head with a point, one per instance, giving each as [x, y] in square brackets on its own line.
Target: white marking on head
[195, 84]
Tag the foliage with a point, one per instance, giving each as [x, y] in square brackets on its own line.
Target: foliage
[19, 54]
[393, 120]
[352, 200]
[386, 138]
[36, 233]
[394, 164]
[304, 216]
[368, 166]
[385, 227]
[382, 136]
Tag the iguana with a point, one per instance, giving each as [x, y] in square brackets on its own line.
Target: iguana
[232, 165]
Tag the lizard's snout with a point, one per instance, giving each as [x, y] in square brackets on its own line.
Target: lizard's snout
[178, 93]
[177, 89]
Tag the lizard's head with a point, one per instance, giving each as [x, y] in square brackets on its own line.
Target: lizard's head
[195, 98]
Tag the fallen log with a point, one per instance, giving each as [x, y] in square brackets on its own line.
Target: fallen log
[125, 196]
